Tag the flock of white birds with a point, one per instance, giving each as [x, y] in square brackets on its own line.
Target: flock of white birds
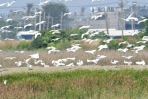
[75, 47]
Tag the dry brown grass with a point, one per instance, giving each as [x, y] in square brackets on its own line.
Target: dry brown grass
[8, 43]
[79, 55]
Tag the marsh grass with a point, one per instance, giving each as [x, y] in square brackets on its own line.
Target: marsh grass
[79, 55]
[79, 84]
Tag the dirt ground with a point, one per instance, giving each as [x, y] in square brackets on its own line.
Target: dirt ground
[66, 68]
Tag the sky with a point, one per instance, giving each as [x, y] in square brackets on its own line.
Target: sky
[73, 6]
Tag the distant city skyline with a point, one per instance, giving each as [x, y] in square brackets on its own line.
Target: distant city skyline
[73, 6]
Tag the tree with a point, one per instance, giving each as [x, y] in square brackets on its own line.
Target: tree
[29, 7]
[82, 11]
[55, 10]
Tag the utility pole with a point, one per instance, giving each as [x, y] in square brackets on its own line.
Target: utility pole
[40, 18]
[133, 21]
[106, 19]
[52, 20]
[48, 21]
[35, 20]
[44, 20]
[61, 20]
[122, 16]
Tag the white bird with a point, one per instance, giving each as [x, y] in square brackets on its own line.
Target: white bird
[55, 39]
[139, 47]
[0, 66]
[131, 18]
[114, 61]
[5, 82]
[141, 42]
[129, 45]
[37, 61]
[29, 67]
[142, 62]
[70, 64]
[42, 22]
[91, 52]
[43, 3]
[99, 57]
[144, 20]
[15, 11]
[95, 0]
[94, 34]
[127, 57]
[127, 63]
[124, 42]
[136, 50]
[134, 32]
[87, 33]
[35, 56]
[27, 60]
[2, 4]
[127, 19]
[93, 61]
[8, 26]
[10, 58]
[95, 17]
[80, 63]
[102, 47]
[92, 41]
[56, 25]
[122, 50]
[38, 13]
[37, 34]
[27, 25]
[51, 48]
[8, 20]
[55, 31]
[68, 13]
[71, 58]
[10, 3]
[64, 0]
[19, 63]
[74, 48]
[85, 27]
[17, 28]
[73, 34]
[19, 52]
[107, 41]
[44, 65]
[29, 17]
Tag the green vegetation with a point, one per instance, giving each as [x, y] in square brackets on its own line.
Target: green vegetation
[55, 10]
[79, 84]
[23, 45]
[64, 39]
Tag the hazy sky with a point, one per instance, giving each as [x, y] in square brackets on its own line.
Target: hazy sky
[74, 5]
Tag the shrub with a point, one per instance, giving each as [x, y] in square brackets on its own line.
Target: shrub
[38, 43]
[63, 45]
[113, 44]
[23, 45]
[51, 44]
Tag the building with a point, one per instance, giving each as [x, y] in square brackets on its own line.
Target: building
[26, 35]
[113, 21]
[116, 34]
